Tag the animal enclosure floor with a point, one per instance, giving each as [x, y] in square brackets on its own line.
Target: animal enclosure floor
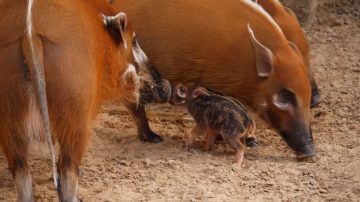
[118, 167]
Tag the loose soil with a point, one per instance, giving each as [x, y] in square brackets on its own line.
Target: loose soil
[119, 167]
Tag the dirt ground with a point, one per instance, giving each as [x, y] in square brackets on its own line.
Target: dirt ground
[118, 167]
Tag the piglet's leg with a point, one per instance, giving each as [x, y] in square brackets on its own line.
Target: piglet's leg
[239, 156]
[195, 132]
[210, 138]
[251, 140]
[238, 147]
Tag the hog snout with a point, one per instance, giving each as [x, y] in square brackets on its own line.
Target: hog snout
[166, 91]
[155, 93]
[301, 143]
[306, 151]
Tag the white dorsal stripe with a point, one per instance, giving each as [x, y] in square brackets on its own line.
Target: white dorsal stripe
[260, 9]
[278, 2]
[29, 18]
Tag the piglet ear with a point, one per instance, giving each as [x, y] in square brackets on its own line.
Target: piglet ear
[199, 91]
[118, 22]
[264, 56]
[181, 90]
[289, 11]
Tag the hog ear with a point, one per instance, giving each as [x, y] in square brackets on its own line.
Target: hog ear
[199, 91]
[288, 10]
[264, 56]
[294, 47]
[118, 22]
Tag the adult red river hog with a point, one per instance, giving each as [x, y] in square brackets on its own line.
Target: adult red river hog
[292, 30]
[59, 61]
[234, 48]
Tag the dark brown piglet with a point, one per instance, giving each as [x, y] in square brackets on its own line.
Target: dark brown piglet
[215, 115]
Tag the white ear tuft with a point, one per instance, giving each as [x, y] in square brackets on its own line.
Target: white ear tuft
[264, 56]
[199, 91]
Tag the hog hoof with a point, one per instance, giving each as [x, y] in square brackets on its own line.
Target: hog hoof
[219, 138]
[251, 142]
[315, 95]
[151, 137]
[315, 100]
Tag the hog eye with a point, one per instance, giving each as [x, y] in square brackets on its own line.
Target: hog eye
[286, 96]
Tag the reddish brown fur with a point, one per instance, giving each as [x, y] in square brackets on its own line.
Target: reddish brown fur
[207, 44]
[200, 61]
[83, 66]
[289, 24]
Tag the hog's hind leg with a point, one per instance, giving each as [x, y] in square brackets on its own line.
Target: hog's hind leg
[15, 147]
[72, 135]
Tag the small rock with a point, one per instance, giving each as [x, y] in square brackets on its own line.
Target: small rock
[125, 163]
[344, 129]
[147, 162]
[323, 191]
[335, 23]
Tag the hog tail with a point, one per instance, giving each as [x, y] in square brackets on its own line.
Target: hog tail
[34, 55]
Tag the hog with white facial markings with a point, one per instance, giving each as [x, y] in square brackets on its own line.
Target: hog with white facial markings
[289, 24]
[234, 48]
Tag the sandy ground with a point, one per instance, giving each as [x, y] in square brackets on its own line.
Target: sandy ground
[118, 167]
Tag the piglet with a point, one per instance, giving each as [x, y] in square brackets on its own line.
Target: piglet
[215, 114]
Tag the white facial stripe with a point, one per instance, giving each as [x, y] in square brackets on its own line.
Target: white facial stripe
[131, 78]
[262, 11]
[130, 72]
[139, 55]
[280, 105]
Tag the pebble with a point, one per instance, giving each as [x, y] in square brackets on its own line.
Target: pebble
[125, 163]
[323, 191]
